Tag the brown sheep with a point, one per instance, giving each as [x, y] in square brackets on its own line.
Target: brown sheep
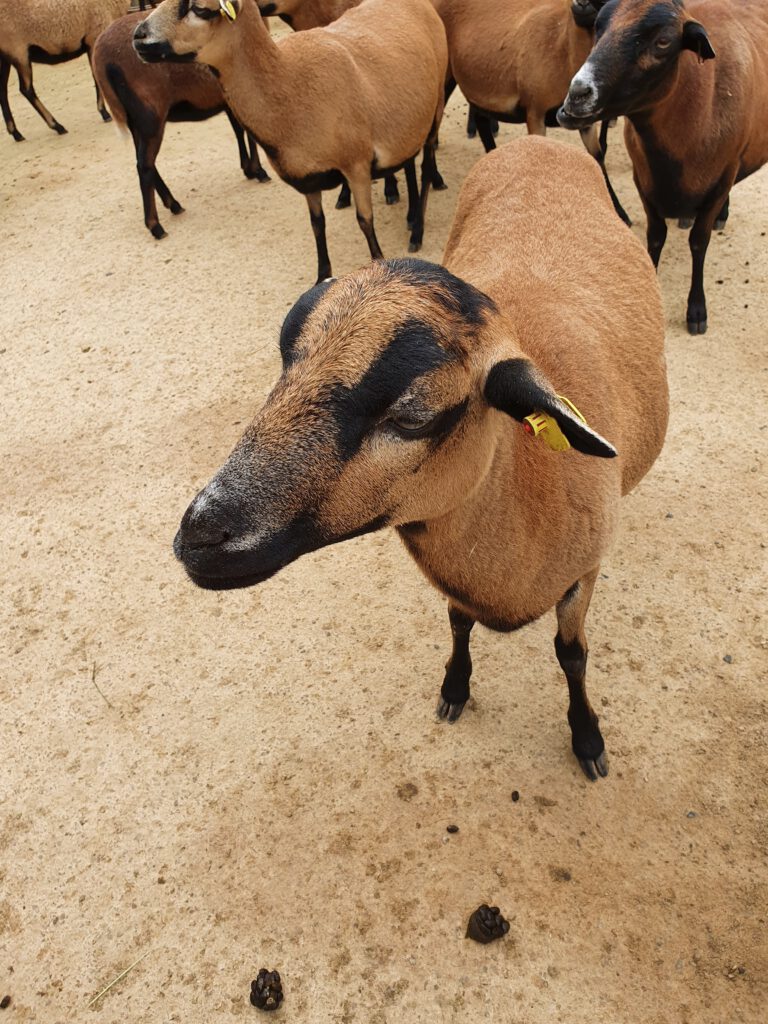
[356, 99]
[695, 126]
[514, 62]
[143, 97]
[48, 32]
[407, 396]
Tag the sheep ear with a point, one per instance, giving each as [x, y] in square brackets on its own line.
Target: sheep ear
[695, 38]
[515, 387]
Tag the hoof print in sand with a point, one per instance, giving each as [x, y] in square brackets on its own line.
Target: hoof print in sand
[487, 924]
[266, 990]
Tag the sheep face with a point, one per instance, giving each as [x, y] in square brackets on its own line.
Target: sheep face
[186, 30]
[381, 417]
[376, 419]
[631, 66]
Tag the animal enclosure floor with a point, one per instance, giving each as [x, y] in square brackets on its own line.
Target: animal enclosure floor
[223, 782]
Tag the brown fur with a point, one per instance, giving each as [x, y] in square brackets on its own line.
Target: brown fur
[61, 30]
[152, 92]
[504, 526]
[367, 90]
[708, 119]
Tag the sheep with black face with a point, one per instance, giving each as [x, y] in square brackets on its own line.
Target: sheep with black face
[402, 402]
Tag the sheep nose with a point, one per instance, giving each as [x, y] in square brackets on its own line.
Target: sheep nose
[204, 525]
[140, 31]
[582, 92]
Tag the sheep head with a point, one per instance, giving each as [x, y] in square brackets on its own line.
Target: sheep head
[382, 416]
[187, 30]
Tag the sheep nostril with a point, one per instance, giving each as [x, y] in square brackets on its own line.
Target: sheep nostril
[203, 535]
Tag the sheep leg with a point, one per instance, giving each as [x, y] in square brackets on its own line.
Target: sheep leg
[317, 217]
[146, 154]
[10, 124]
[250, 164]
[594, 147]
[428, 171]
[101, 106]
[604, 126]
[27, 90]
[571, 650]
[391, 191]
[345, 197]
[361, 190]
[413, 192]
[656, 231]
[698, 241]
[454, 692]
[485, 131]
[722, 217]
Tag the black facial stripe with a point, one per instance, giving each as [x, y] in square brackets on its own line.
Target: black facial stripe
[297, 317]
[267, 9]
[183, 8]
[412, 352]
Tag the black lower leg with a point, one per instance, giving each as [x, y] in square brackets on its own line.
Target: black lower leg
[344, 200]
[147, 177]
[623, 215]
[485, 131]
[391, 191]
[366, 226]
[604, 126]
[10, 124]
[165, 195]
[413, 192]
[722, 217]
[454, 692]
[317, 217]
[698, 240]
[587, 741]
[656, 236]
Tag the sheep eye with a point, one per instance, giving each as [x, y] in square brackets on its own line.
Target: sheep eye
[204, 13]
[410, 427]
[663, 42]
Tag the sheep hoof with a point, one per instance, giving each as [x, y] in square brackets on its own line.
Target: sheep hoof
[158, 231]
[392, 198]
[720, 224]
[343, 203]
[257, 174]
[17, 135]
[685, 223]
[697, 326]
[414, 246]
[449, 712]
[175, 207]
[106, 117]
[438, 184]
[59, 128]
[594, 766]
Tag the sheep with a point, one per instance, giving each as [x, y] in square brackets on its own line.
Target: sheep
[48, 32]
[143, 97]
[305, 14]
[693, 128]
[514, 62]
[356, 99]
[438, 400]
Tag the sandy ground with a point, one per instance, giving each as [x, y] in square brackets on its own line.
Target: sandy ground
[220, 782]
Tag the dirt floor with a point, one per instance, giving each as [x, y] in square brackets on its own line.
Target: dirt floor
[221, 782]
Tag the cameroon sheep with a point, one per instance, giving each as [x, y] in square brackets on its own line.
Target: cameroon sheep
[301, 15]
[143, 97]
[694, 126]
[356, 99]
[48, 32]
[421, 397]
[514, 62]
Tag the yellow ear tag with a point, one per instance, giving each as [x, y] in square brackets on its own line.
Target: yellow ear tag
[227, 10]
[540, 424]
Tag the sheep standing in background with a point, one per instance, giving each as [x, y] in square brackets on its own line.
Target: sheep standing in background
[354, 100]
[143, 97]
[48, 32]
[695, 125]
[443, 401]
[514, 62]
